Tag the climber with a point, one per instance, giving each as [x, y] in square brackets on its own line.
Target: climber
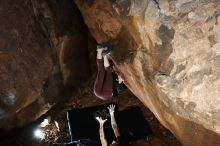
[120, 140]
[107, 83]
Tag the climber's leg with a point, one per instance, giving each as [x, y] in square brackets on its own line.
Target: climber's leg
[108, 82]
[98, 86]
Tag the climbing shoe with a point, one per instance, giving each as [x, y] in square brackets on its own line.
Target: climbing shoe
[107, 45]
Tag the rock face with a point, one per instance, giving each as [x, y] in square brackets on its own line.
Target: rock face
[24, 67]
[41, 51]
[168, 53]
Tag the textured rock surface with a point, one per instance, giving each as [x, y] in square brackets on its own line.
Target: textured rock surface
[168, 54]
[167, 51]
[38, 57]
[24, 67]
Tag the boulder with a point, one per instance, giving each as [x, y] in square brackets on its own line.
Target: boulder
[42, 49]
[168, 54]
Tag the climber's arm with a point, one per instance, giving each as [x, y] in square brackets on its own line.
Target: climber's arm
[101, 131]
[111, 109]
